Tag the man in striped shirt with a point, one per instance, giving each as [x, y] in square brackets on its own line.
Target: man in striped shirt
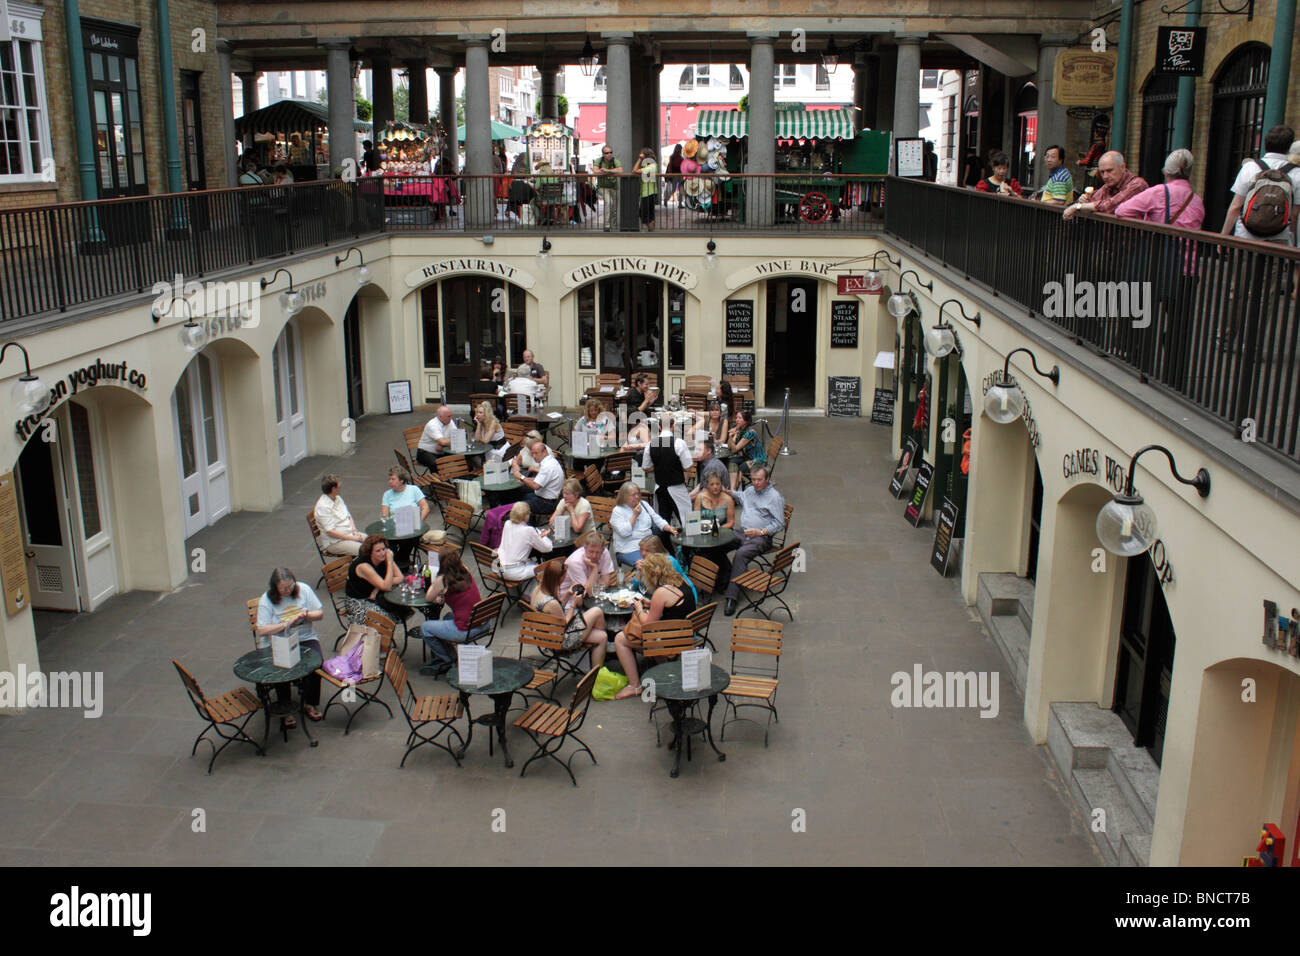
[1119, 183]
[1060, 184]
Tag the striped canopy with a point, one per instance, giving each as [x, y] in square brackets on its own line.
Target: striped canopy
[790, 124]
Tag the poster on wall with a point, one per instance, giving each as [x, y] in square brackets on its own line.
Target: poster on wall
[844, 324]
[740, 323]
[1180, 51]
[399, 397]
[899, 480]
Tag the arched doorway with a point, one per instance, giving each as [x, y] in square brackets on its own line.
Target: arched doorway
[791, 353]
[199, 422]
[630, 323]
[467, 321]
[1026, 112]
[353, 370]
[1236, 124]
[1159, 98]
[290, 405]
[1145, 667]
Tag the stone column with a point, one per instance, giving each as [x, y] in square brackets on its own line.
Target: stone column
[655, 119]
[618, 125]
[381, 80]
[480, 208]
[249, 83]
[447, 117]
[907, 86]
[1009, 118]
[342, 106]
[760, 193]
[418, 92]
[548, 102]
[884, 94]
[1051, 115]
[227, 112]
[863, 89]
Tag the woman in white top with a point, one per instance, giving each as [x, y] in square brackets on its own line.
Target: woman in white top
[594, 421]
[518, 541]
[526, 460]
[291, 607]
[487, 429]
[573, 504]
[632, 520]
[338, 532]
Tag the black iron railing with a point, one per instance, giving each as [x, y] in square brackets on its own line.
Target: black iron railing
[1212, 319]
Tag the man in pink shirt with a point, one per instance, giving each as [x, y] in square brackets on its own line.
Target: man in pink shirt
[590, 565]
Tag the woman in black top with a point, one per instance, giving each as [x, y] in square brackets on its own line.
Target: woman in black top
[370, 576]
[670, 600]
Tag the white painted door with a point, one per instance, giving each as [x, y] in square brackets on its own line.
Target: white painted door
[201, 439]
[290, 415]
[43, 509]
[85, 463]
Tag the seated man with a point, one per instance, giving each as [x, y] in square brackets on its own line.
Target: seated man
[706, 464]
[400, 494]
[762, 515]
[545, 489]
[523, 384]
[338, 532]
[436, 439]
[537, 371]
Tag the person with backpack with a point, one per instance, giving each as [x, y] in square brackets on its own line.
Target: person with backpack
[1265, 193]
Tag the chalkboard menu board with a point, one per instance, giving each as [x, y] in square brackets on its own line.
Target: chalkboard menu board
[843, 396]
[740, 323]
[844, 324]
[882, 407]
[905, 460]
[943, 529]
[913, 510]
[739, 363]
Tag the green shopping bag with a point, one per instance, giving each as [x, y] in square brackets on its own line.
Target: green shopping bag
[608, 683]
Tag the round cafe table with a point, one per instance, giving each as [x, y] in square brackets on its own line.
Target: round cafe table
[471, 448]
[402, 544]
[417, 601]
[258, 668]
[507, 677]
[667, 680]
[501, 492]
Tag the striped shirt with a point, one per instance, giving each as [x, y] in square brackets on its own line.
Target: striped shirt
[1060, 186]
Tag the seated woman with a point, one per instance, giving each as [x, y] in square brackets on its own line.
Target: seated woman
[596, 419]
[372, 574]
[518, 540]
[670, 599]
[288, 605]
[717, 505]
[718, 425]
[487, 429]
[573, 504]
[631, 519]
[652, 545]
[586, 628]
[744, 441]
[526, 460]
[454, 587]
[638, 436]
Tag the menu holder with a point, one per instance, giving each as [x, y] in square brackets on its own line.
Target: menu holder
[562, 523]
[457, 441]
[700, 435]
[691, 526]
[495, 473]
[580, 441]
[285, 651]
[606, 388]
[638, 477]
[406, 519]
[697, 669]
[474, 665]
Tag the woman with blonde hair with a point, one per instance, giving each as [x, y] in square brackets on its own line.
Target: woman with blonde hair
[581, 627]
[518, 541]
[486, 427]
[573, 504]
[670, 600]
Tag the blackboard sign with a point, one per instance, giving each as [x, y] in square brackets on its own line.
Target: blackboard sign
[740, 323]
[1180, 51]
[943, 529]
[844, 324]
[899, 480]
[843, 396]
[882, 407]
[913, 510]
[738, 363]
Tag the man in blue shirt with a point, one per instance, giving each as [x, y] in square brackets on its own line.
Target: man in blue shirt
[762, 514]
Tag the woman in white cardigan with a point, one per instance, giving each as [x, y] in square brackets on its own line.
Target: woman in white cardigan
[631, 520]
[518, 541]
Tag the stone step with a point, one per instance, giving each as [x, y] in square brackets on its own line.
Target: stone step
[1000, 595]
[1135, 849]
[1138, 776]
[1081, 734]
[1097, 790]
[1012, 638]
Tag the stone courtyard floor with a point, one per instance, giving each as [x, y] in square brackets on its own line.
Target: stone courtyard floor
[877, 785]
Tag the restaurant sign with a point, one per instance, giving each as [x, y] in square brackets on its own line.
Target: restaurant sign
[1180, 51]
[868, 284]
[1084, 78]
[472, 265]
[89, 376]
[623, 265]
[780, 267]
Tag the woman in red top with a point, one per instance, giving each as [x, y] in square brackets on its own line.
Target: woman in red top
[999, 182]
[455, 588]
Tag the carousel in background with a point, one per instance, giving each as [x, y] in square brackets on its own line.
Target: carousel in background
[414, 186]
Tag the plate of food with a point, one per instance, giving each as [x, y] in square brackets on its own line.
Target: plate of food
[622, 598]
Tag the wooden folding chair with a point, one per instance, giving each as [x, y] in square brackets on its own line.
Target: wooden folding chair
[753, 679]
[618, 469]
[367, 688]
[515, 431]
[252, 618]
[451, 467]
[411, 437]
[773, 453]
[457, 517]
[608, 378]
[592, 480]
[768, 584]
[336, 581]
[700, 620]
[546, 633]
[478, 398]
[550, 725]
[695, 401]
[494, 582]
[230, 711]
[601, 508]
[698, 383]
[703, 574]
[314, 528]
[665, 639]
[443, 710]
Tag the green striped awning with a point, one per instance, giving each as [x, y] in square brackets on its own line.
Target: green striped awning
[790, 124]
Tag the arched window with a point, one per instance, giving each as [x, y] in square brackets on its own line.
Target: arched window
[736, 81]
[1236, 124]
[1159, 97]
[687, 79]
[599, 83]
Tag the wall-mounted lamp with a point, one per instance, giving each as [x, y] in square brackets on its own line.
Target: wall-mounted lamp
[487, 240]
[293, 300]
[831, 56]
[976, 318]
[544, 253]
[940, 340]
[30, 394]
[193, 336]
[1126, 525]
[710, 252]
[875, 282]
[900, 304]
[363, 274]
[1005, 402]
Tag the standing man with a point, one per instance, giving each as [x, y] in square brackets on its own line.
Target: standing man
[370, 157]
[1059, 189]
[1119, 184]
[762, 514]
[607, 185]
[544, 490]
[1273, 191]
[436, 439]
[668, 457]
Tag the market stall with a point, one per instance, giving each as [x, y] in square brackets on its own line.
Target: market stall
[293, 132]
[818, 147]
